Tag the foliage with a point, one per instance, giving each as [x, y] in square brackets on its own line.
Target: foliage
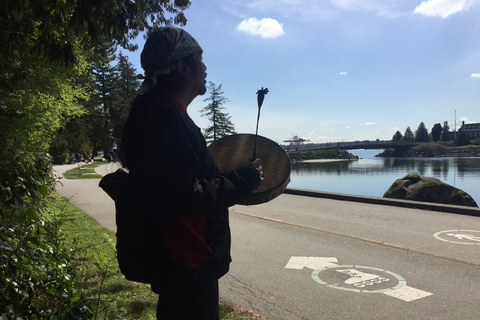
[437, 132]
[37, 271]
[408, 135]
[462, 139]
[320, 154]
[421, 134]
[45, 56]
[429, 150]
[44, 100]
[113, 89]
[221, 125]
[57, 28]
[445, 131]
[397, 136]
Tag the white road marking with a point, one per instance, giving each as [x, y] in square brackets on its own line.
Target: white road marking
[404, 293]
[407, 293]
[309, 262]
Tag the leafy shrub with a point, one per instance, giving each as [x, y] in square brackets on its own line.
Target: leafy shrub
[37, 271]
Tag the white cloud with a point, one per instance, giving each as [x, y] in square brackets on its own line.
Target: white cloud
[442, 8]
[475, 75]
[343, 73]
[265, 28]
[368, 123]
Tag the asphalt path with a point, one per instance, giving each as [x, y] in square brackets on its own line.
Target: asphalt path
[299, 257]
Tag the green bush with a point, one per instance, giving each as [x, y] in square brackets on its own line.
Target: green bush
[38, 277]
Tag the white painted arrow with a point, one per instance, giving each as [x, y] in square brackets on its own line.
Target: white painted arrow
[313, 263]
[404, 293]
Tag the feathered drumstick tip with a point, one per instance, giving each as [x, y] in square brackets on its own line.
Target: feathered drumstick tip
[261, 95]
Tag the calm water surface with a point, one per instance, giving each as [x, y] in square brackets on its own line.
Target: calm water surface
[372, 176]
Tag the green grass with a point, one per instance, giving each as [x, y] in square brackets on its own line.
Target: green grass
[109, 294]
[84, 172]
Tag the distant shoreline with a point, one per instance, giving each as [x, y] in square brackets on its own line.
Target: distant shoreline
[324, 160]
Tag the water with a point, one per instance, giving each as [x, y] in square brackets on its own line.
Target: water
[370, 176]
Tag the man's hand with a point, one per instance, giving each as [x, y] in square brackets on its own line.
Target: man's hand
[257, 166]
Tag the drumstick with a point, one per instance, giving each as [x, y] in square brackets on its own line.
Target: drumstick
[260, 96]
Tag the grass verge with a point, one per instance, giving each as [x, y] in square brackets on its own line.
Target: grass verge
[109, 294]
[84, 171]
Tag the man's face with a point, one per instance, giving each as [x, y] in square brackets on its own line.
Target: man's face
[199, 73]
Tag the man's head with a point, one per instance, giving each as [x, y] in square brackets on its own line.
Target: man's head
[168, 49]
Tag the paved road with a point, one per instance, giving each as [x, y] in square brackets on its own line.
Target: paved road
[313, 258]
[87, 195]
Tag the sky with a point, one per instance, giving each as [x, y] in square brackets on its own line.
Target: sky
[339, 70]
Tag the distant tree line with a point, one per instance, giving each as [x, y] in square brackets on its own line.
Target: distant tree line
[438, 133]
[113, 86]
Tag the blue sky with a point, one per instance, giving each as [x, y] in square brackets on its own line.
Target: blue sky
[339, 70]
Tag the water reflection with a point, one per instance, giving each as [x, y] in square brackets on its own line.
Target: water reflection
[438, 166]
[379, 173]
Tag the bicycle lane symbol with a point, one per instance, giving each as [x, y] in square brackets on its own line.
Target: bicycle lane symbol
[353, 278]
[459, 236]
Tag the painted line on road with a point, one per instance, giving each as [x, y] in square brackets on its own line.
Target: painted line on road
[356, 238]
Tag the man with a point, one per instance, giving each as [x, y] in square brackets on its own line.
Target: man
[173, 183]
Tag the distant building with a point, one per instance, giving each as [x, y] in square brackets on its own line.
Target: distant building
[471, 129]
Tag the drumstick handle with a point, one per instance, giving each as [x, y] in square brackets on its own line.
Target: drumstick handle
[256, 135]
[260, 96]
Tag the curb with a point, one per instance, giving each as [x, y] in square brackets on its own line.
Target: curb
[471, 211]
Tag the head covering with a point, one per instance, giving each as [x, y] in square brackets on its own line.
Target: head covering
[163, 48]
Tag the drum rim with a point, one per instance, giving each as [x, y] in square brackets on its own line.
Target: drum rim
[269, 194]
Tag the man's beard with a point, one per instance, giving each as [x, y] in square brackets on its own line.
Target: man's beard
[202, 90]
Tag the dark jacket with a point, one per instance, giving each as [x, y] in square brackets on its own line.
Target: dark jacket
[174, 188]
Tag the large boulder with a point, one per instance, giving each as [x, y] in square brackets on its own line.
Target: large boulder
[427, 189]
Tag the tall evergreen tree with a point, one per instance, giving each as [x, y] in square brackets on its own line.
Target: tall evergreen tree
[445, 131]
[421, 134]
[436, 132]
[125, 90]
[397, 136]
[102, 103]
[221, 125]
[408, 134]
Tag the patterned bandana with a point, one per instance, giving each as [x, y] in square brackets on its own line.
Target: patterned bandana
[163, 48]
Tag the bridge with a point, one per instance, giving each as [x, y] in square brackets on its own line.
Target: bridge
[366, 144]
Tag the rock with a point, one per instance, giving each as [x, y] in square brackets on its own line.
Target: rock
[427, 189]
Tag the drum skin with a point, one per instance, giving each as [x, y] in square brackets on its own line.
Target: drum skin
[230, 152]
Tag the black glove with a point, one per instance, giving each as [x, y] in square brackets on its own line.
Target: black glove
[248, 176]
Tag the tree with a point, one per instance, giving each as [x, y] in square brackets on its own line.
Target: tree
[421, 134]
[462, 139]
[445, 131]
[408, 134]
[436, 132]
[125, 91]
[54, 29]
[103, 100]
[397, 136]
[113, 89]
[221, 124]
[45, 54]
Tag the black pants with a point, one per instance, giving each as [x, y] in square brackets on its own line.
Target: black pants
[187, 300]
